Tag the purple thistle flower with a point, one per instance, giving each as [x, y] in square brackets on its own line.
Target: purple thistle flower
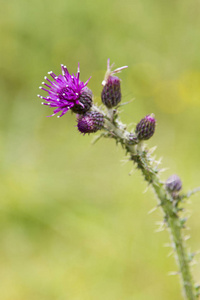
[64, 91]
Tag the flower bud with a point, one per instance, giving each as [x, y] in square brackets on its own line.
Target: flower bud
[90, 122]
[85, 102]
[173, 183]
[111, 93]
[146, 127]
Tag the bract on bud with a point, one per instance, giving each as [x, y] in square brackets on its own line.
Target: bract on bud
[173, 183]
[111, 93]
[85, 102]
[146, 127]
[90, 122]
[132, 139]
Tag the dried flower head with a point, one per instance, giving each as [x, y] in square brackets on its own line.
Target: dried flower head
[65, 91]
[90, 122]
[111, 93]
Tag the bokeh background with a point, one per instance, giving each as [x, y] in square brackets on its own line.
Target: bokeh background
[74, 225]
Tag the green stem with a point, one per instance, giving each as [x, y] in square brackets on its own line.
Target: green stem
[144, 162]
[175, 227]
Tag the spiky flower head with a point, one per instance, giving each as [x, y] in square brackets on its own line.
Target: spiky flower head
[146, 127]
[66, 91]
[111, 93]
[173, 183]
[91, 121]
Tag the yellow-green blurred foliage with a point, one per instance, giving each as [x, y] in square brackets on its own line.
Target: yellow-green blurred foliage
[74, 225]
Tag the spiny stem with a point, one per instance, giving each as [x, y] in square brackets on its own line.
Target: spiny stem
[174, 224]
[144, 162]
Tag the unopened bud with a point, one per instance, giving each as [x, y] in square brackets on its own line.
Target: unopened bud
[111, 93]
[174, 183]
[146, 127]
[90, 122]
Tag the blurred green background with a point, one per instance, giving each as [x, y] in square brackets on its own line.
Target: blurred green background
[74, 225]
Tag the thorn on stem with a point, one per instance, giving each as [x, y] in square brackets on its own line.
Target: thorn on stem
[173, 273]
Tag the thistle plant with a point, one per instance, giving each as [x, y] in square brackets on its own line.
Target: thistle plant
[66, 92]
